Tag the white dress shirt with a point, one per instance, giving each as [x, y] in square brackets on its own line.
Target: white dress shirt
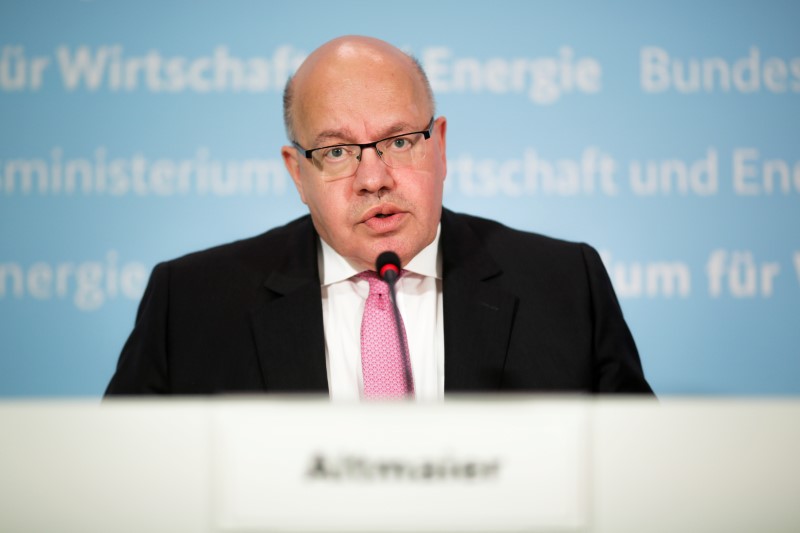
[419, 297]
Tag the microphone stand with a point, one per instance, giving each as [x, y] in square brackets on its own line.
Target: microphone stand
[387, 266]
[391, 278]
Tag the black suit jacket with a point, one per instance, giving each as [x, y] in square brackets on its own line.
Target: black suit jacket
[522, 312]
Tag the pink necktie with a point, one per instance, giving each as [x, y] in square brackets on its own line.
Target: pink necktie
[381, 356]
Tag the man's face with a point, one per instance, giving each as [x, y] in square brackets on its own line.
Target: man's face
[360, 100]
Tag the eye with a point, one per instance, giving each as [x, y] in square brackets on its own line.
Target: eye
[400, 144]
[337, 153]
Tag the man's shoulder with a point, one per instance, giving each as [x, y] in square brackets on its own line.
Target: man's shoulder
[528, 261]
[498, 237]
[294, 241]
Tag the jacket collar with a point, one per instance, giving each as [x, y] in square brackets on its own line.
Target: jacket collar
[287, 327]
[478, 313]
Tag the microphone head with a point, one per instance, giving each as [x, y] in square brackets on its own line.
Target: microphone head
[388, 266]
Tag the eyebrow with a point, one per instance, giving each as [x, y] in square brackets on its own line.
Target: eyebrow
[343, 136]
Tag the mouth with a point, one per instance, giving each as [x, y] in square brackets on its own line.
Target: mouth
[383, 218]
[381, 212]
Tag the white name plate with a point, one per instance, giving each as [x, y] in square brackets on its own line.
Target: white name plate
[492, 465]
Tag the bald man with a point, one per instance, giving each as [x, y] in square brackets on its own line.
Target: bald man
[485, 308]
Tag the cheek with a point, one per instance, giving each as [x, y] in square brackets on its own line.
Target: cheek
[427, 190]
[329, 206]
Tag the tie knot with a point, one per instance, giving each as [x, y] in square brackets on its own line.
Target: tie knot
[376, 284]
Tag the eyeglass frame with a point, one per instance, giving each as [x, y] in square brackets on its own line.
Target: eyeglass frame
[426, 133]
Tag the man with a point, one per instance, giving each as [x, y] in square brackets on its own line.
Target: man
[485, 308]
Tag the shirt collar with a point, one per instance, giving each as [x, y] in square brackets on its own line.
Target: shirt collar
[334, 268]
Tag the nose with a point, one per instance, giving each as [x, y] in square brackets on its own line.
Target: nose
[372, 174]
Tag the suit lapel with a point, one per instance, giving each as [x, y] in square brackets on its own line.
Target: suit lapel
[287, 327]
[477, 314]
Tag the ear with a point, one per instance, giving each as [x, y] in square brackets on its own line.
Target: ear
[290, 155]
[440, 137]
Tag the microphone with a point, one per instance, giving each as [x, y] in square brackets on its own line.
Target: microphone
[388, 268]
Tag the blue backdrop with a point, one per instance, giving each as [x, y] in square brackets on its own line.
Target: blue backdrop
[667, 135]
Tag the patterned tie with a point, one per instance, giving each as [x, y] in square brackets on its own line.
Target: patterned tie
[381, 355]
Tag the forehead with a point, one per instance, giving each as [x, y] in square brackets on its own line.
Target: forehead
[356, 96]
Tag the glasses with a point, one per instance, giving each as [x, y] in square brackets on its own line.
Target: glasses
[341, 160]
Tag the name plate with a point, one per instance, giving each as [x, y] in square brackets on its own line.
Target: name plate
[489, 465]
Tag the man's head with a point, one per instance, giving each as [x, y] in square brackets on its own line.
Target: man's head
[357, 90]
